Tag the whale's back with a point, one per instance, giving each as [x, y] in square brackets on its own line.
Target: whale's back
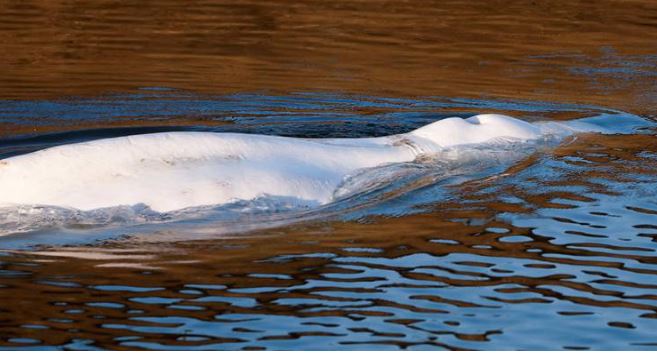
[169, 171]
[477, 129]
[175, 170]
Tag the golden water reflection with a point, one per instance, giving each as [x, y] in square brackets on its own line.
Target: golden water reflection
[599, 52]
[558, 252]
[572, 254]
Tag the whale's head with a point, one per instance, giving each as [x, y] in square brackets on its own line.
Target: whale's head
[477, 129]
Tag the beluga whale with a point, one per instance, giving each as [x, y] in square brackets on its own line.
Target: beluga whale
[177, 170]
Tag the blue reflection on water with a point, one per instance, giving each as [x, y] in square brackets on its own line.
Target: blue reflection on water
[558, 253]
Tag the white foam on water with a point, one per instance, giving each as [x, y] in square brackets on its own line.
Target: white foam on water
[165, 172]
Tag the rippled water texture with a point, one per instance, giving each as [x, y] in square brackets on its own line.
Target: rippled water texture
[552, 248]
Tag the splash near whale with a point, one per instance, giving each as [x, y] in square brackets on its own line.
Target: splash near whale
[168, 172]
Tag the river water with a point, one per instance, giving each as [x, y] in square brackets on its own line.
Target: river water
[553, 248]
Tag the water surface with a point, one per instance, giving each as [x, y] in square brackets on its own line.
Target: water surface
[551, 250]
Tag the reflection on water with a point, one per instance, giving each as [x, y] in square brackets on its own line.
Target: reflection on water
[560, 243]
[556, 250]
[601, 52]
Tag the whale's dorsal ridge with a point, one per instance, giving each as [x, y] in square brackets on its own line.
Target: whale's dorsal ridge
[476, 129]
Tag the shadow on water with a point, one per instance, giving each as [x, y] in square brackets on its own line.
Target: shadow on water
[557, 250]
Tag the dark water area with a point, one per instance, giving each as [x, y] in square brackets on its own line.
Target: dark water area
[555, 249]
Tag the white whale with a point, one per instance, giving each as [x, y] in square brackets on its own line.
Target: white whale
[176, 170]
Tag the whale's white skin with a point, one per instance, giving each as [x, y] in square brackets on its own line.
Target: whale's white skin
[176, 170]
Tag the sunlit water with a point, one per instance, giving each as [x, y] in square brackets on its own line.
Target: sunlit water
[540, 246]
[516, 252]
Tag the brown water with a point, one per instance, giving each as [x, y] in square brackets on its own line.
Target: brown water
[555, 250]
[569, 51]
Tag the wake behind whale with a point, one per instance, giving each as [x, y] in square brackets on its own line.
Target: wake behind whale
[164, 173]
